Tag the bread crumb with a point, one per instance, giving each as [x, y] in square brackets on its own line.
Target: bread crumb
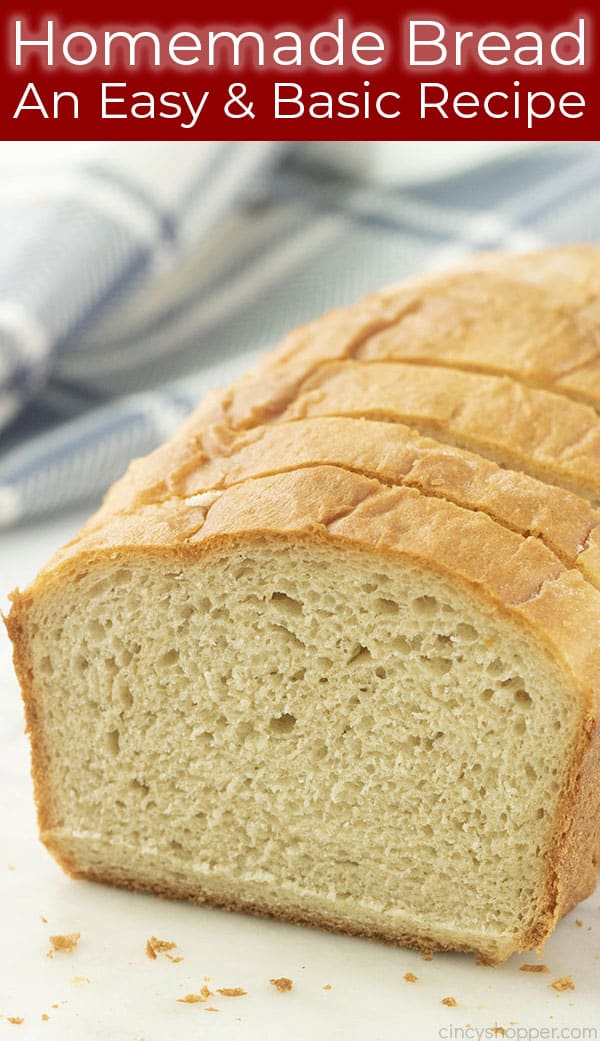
[211, 1008]
[499, 1030]
[17, 1020]
[327, 986]
[155, 946]
[78, 980]
[66, 943]
[534, 968]
[578, 922]
[174, 959]
[450, 1002]
[410, 977]
[11, 867]
[231, 992]
[193, 999]
[43, 920]
[45, 1017]
[207, 979]
[427, 957]
[563, 983]
[282, 984]
[55, 1006]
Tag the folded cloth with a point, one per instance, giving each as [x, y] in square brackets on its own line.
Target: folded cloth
[136, 281]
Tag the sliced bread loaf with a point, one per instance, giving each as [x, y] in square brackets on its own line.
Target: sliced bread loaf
[312, 664]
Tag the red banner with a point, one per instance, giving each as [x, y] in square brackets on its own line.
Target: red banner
[516, 71]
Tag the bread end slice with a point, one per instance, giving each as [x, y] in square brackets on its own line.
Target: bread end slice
[309, 719]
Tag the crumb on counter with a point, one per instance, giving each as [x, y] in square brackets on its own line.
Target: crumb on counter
[282, 984]
[193, 999]
[43, 920]
[173, 958]
[327, 986]
[563, 983]
[154, 946]
[410, 977]
[534, 968]
[45, 1017]
[578, 922]
[499, 1030]
[449, 1002]
[427, 957]
[231, 992]
[65, 943]
[78, 980]
[17, 1020]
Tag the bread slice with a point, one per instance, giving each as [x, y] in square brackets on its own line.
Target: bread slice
[527, 333]
[543, 434]
[317, 665]
[396, 455]
[533, 317]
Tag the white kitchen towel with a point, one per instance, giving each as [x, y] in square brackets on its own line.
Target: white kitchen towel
[135, 280]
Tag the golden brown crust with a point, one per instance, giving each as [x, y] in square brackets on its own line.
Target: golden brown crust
[15, 625]
[566, 278]
[395, 454]
[542, 434]
[315, 373]
[527, 333]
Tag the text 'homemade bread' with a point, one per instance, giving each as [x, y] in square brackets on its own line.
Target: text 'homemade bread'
[332, 652]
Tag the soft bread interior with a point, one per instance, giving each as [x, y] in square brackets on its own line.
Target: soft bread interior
[308, 729]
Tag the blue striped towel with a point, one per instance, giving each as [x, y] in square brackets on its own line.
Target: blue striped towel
[132, 284]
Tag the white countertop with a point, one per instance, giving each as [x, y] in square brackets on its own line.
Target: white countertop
[107, 988]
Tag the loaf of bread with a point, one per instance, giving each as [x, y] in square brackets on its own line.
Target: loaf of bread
[332, 652]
